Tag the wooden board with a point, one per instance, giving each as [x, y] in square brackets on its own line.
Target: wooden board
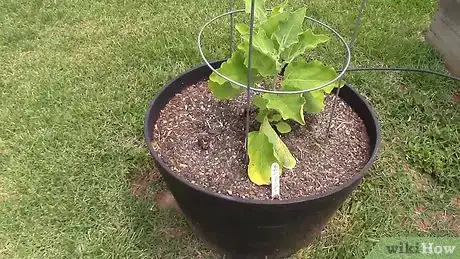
[444, 34]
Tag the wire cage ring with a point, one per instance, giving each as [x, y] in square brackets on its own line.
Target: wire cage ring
[260, 90]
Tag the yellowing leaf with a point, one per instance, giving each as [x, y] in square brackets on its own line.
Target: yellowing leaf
[280, 150]
[302, 75]
[261, 158]
[259, 12]
[307, 40]
[288, 32]
[290, 106]
[283, 127]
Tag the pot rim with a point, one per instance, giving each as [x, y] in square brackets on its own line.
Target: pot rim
[363, 172]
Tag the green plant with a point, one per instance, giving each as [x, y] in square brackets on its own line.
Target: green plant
[279, 41]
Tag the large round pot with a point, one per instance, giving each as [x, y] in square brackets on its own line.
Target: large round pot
[243, 228]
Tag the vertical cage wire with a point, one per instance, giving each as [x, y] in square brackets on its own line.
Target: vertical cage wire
[248, 89]
[250, 50]
[232, 27]
[352, 42]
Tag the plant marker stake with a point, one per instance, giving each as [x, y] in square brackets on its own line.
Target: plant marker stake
[275, 178]
[352, 42]
[248, 92]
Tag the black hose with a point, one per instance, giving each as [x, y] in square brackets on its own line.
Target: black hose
[405, 69]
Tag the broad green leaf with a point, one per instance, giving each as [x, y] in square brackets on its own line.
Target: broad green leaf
[225, 91]
[281, 151]
[273, 22]
[290, 106]
[307, 40]
[288, 32]
[261, 158]
[314, 101]
[261, 41]
[302, 75]
[261, 114]
[280, 8]
[234, 69]
[259, 102]
[243, 30]
[328, 89]
[259, 12]
[264, 44]
[283, 127]
[275, 117]
[265, 65]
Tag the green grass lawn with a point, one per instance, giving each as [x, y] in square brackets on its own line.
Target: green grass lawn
[76, 77]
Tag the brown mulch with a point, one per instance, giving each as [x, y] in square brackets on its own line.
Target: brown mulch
[203, 140]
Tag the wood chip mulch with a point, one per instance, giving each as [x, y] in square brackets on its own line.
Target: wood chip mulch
[203, 140]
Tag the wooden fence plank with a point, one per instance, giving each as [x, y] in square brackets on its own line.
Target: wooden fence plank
[444, 34]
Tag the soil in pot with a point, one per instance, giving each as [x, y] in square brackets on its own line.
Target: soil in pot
[202, 140]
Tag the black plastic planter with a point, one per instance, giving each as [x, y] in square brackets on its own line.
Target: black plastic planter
[247, 228]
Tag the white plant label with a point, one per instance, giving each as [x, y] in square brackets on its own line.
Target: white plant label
[275, 177]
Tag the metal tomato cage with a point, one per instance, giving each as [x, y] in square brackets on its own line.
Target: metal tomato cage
[346, 63]
[345, 68]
